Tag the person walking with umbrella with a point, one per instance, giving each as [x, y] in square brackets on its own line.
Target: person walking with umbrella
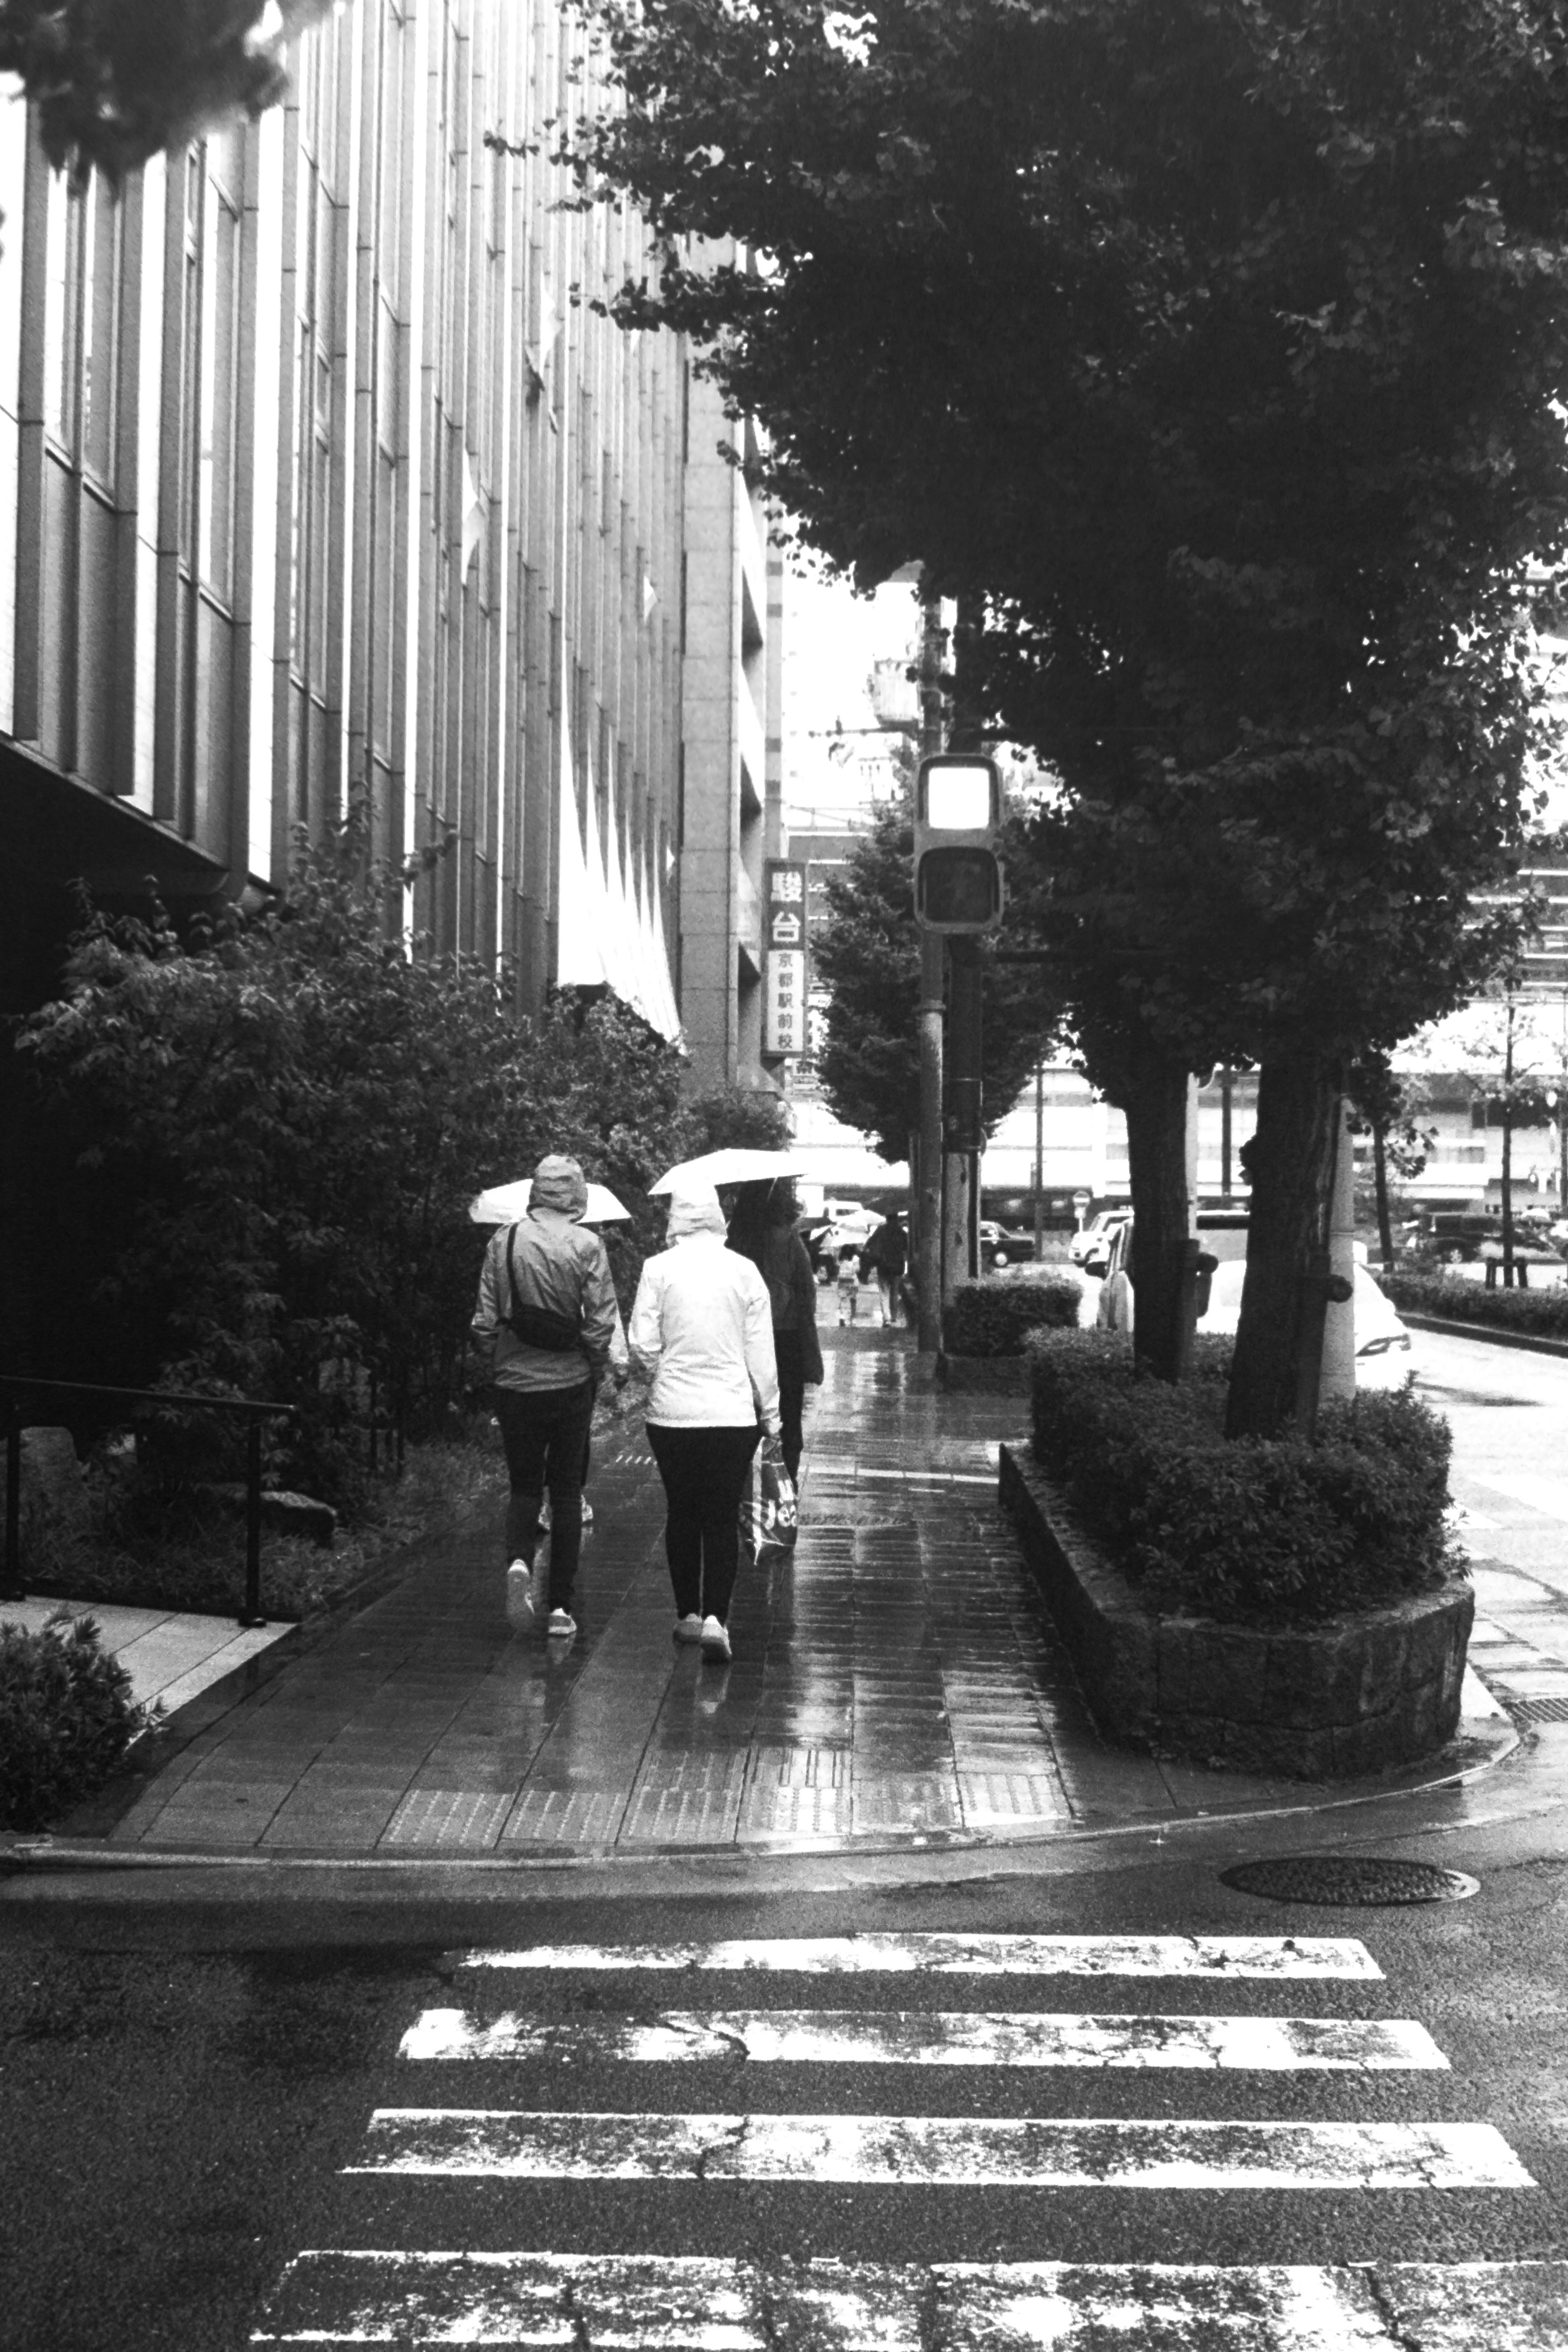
[701, 1326]
[547, 1313]
[761, 1227]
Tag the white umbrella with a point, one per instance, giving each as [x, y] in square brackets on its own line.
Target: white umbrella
[503, 1204]
[733, 1165]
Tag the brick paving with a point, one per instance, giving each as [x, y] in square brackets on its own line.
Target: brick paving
[896, 1681]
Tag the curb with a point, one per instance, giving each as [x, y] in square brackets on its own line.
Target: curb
[1490, 1332]
[1481, 1747]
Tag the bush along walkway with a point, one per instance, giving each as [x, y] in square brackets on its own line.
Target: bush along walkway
[896, 1682]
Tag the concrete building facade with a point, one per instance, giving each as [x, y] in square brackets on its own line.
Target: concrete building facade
[323, 485]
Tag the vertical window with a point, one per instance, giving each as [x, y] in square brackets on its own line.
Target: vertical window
[220, 386]
[83, 264]
[102, 223]
[191, 357]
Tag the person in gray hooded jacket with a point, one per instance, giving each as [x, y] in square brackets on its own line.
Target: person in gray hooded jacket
[547, 1312]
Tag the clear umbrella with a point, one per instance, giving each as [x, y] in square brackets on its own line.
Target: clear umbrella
[503, 1204]
[733, 1165]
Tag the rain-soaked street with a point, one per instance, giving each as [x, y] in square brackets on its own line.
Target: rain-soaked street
[855, 1995]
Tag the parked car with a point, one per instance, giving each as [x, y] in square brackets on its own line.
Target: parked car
[1004, 1245]
[1384, 1356]
[1092, 1248]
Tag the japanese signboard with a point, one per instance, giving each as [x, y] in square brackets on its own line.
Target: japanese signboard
[784, 1019]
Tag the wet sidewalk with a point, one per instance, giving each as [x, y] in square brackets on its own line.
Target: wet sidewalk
[896, 1682]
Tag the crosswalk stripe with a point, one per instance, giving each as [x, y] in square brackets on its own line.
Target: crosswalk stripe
[955, 1954]
[913, 2151]
[945, 2038]
[703, 2303]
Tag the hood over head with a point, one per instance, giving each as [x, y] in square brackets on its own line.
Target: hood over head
[694, 1209]
[559, 1183]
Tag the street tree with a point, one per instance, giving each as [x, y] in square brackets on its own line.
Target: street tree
[869, 954]
[115, 81]
[1217, 347]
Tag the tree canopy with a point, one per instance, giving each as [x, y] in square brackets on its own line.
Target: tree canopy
[1217, 347]
[117, 80]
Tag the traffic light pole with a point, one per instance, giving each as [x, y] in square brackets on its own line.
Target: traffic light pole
[929, 1020]
[962, 1123]
[928, 1177]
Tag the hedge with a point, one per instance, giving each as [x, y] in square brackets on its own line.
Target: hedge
[67, 1717]
[994, 1318]
[1246, 1530]
[1543, 1314]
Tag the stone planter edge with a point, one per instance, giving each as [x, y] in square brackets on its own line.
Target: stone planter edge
[1319, 1703]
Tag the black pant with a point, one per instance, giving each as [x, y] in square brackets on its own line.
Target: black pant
[789, 1354]
[545, 1434]
[704, 1473]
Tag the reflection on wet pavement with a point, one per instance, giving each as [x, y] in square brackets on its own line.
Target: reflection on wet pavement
[896, 1681]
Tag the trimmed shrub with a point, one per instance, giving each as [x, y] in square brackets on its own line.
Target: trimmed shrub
[1247, 1530]
[67, 1717]
[1542, 1314]
[994, 1318]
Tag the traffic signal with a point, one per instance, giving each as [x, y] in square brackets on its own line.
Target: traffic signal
[958, 816]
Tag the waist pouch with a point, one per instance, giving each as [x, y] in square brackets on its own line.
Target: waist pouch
[538, 1326]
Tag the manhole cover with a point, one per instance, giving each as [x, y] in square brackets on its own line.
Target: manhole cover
[1348, 1878]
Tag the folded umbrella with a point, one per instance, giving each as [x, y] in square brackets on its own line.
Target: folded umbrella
[503, 1204]
[733, 1165]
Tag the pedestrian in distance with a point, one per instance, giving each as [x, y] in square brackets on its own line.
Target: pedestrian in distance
[763, 1228]
[547, 1315]
[888, 1255]
[702, 1328]
[848, 1282]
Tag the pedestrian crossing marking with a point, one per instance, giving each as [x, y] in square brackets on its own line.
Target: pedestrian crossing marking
[640, 2302]
[944, 2038]
[914, 2151]
[604, 2303]
[957, 1955]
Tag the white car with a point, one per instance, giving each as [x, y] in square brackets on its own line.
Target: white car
[1383, 1358]
[1092, 1248]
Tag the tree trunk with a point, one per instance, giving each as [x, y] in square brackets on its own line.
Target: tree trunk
[1292, 1159]
[1380, 1175]
[1156, 1111]
[1508, 1156]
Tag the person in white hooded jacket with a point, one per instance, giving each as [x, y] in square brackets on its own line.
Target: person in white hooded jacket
[702, 1329]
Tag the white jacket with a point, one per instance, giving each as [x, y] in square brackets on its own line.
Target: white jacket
[702, 1326]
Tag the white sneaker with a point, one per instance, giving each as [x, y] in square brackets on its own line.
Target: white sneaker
[520, 1595]
[561, 1625]
[689, 1629]
[715, 1638]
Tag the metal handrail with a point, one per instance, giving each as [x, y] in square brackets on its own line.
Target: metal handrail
[254, 1409]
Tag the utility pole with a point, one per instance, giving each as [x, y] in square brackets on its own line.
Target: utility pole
[1040, 1158]
[929, 1020]
[1336, 1376]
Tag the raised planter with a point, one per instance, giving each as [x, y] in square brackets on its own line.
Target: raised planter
[986, 1375]
[1319, 1703]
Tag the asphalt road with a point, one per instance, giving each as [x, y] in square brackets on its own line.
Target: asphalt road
[180, 2113]
[190, 2062]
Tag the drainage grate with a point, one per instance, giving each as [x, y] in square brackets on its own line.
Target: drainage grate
[1538, 1710]
[1348, 1878]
